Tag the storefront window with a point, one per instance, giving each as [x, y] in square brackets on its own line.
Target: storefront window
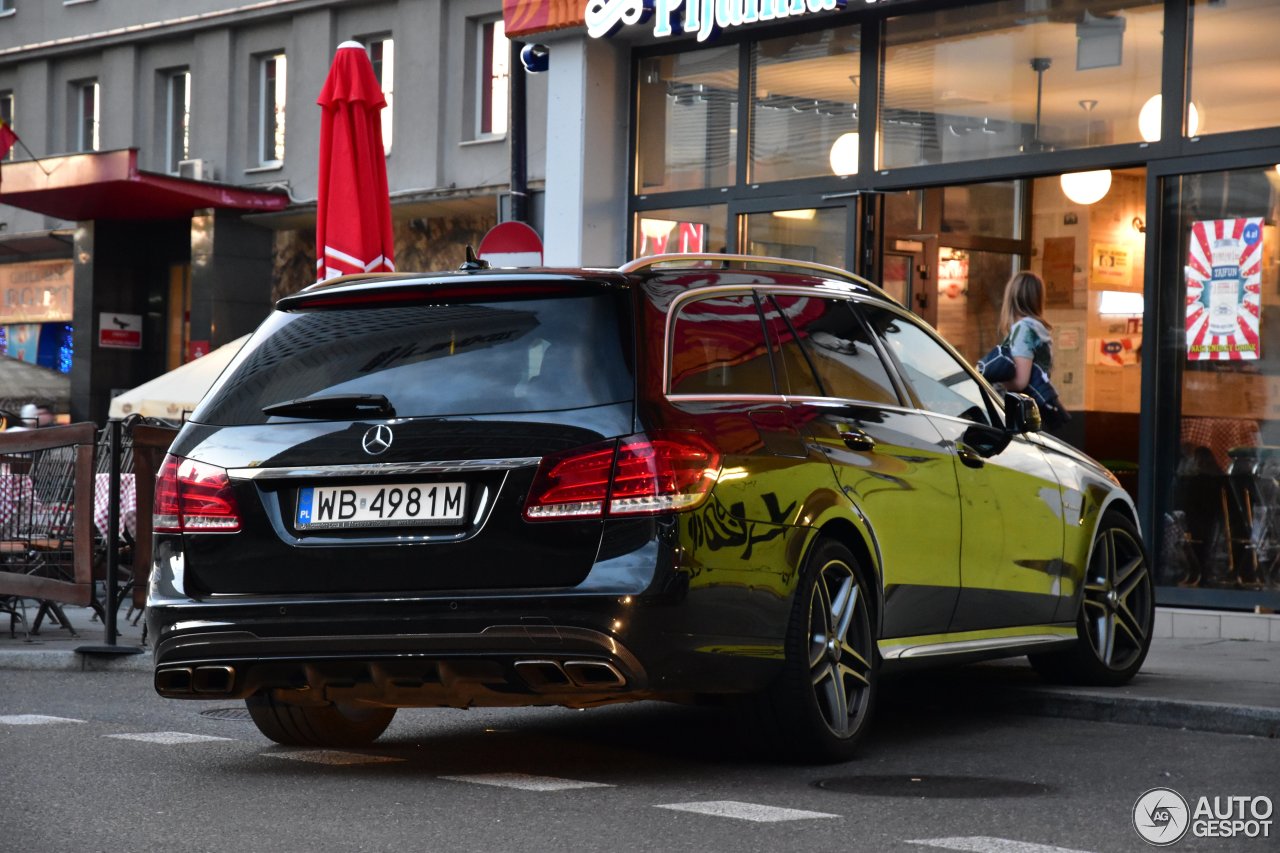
[1234, 65]
[992, 210]
[1221, 522]
[804, 105]
[1003, 78]
[807, 234]
[686, 121]
[681, 230]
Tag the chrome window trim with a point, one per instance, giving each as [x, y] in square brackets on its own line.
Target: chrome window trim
[461, 466]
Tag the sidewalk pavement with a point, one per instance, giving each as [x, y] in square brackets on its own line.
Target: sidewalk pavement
[1204, 684]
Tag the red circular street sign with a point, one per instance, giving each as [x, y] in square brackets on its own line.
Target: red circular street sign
[511, 244]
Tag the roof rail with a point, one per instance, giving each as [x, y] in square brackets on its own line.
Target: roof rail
[706, 259]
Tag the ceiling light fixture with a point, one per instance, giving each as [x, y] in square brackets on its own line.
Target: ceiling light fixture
[1086, 187]
[1149, 119]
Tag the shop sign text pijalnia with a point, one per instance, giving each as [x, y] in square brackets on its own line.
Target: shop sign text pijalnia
[704, 17]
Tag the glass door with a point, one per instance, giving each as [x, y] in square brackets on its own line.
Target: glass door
[1218, 518]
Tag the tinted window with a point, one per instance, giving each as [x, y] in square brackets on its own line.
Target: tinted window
[941, 383]
[719, 347]
[434, 360]
[828, 352]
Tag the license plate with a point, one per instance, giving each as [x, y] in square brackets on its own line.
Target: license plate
[390, 505]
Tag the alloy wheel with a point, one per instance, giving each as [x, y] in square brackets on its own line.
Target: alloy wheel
[840, 648]
[1117, 599]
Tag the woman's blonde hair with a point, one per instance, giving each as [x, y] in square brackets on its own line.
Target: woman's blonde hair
[1023, 297]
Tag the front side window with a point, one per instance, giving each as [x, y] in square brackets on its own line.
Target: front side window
[827, 352]
[87, 113]
[6, 6]
[718, 347]
[1001, 79]
[940, 381]
[177, 118]
[271, 100]
[382, 54]
[493, 78]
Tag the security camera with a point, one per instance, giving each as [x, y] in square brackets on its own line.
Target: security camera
[535, 58]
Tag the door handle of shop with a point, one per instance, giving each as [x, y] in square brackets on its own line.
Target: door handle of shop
[969, 456]
[856, 439]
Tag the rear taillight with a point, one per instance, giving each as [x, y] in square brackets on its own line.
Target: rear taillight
[636, 475]
[194, 497]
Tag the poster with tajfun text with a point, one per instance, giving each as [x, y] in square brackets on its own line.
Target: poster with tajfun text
[1224, 287]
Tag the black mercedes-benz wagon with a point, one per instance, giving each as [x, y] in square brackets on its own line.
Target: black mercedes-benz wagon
[754, 481]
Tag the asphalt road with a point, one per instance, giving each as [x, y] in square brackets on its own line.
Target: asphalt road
[646, 777]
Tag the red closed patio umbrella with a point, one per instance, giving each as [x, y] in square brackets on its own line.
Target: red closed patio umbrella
[353, 216]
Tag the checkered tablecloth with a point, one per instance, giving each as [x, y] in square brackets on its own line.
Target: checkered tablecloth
[1218, 435]
[16, 494]
[128, 503]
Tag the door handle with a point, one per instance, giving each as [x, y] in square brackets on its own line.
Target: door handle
[969, 456]
[855, 439]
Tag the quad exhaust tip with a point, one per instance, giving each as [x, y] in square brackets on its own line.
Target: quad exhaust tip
[184, 680]
[551, 674]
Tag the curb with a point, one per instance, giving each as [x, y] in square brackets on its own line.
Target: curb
[1213, 717]
[69, 660]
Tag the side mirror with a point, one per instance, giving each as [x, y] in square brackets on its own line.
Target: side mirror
[1021, 414]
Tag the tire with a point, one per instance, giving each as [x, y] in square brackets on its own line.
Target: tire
[1117, 612]
[820, 706]
[317, 725]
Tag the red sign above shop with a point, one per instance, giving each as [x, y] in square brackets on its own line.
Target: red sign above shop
[120, 331]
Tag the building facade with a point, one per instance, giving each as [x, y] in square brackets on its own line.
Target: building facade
[164, 192]
[1125, 150]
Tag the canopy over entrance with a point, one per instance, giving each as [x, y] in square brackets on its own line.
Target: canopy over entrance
[109, 185]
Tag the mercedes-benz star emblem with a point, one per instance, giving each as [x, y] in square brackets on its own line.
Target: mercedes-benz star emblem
[377, 439]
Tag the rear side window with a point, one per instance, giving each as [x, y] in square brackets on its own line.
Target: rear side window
[827, 351]
[436, 360]
[718, 347]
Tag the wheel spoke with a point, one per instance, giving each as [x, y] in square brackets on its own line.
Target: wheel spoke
[845, 669]
[837, 702]
[1108, 649]
[1130, 625]
[1134, 578]
[844, 605]
[819, 623]
[847, 650]
[1126, 571]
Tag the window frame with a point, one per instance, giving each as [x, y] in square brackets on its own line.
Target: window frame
[8, 106]
[88, 130]
[381, 65]
[484, 65]
[271, 115]
[172, 159]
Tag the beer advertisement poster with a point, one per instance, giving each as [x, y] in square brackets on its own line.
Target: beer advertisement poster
[1224, 289]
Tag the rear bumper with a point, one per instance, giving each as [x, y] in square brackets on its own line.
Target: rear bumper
[578, 652]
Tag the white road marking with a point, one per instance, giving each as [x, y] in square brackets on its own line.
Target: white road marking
[525, 782]
[982, 844]
[167, 737]
[35, 720]
[745, 811]
[334, 757]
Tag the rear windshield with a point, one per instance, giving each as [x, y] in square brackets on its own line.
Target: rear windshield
[435, 360]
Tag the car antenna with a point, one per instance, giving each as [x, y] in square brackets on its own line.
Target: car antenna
[472, 262]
